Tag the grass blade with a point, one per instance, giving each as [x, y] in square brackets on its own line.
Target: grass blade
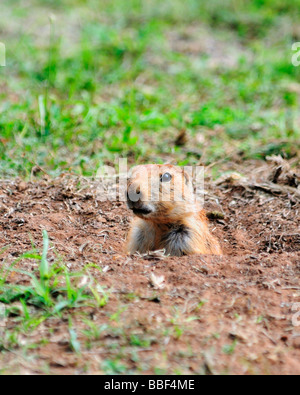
[44, 267]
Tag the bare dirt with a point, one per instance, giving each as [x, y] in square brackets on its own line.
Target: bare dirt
[232, 314]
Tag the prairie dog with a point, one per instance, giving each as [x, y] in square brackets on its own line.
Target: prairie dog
[167, 215]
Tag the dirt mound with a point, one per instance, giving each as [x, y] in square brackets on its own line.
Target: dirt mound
[232, 314]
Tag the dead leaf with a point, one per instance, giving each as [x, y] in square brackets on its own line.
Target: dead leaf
[181, 139]
[158, 282]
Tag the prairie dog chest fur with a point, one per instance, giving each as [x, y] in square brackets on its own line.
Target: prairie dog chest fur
[167, 215]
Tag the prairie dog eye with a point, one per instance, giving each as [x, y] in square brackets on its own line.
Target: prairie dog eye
[167, 177]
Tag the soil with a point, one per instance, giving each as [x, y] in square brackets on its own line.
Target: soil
[242, 304]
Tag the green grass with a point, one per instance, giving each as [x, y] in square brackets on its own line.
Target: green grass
[87, 82]
[50, 292]
[51, 289]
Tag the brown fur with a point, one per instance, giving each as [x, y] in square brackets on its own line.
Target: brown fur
[176, 224]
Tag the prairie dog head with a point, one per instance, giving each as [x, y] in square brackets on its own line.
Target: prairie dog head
[160, 193]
